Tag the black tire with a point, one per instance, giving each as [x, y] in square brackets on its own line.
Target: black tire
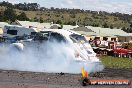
[86, 82]
[114, 54]
[129, 55]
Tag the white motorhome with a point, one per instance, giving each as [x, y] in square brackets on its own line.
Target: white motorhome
[14, 30]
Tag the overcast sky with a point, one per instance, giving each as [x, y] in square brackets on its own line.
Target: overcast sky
[123, 6]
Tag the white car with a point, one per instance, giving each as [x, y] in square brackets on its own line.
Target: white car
[83, 51]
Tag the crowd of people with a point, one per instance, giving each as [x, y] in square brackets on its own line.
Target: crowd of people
[102, 43]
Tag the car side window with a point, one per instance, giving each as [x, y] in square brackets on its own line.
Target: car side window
[57, 37]
[42, 36]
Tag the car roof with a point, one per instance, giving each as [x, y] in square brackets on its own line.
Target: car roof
[63, 32]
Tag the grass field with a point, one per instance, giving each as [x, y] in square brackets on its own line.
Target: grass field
[116, 63]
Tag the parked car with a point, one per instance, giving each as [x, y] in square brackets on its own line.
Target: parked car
[122, 52]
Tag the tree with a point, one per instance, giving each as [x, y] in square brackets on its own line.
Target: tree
[10, 15]
[105, 25]
[41, 20]
[27, 6]
[36, 19]
[72, 15]
[128, 30]
[130, 25]
[33, 6]
[111, 27]
[59, 22]
[1, 17]
[73, 23]
[95, 24]
[123, 28]
[22, 17]
[4, 3]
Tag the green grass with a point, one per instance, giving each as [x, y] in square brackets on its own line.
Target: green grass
[116, 63]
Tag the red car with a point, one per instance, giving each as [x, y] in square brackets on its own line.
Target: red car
[121, 52]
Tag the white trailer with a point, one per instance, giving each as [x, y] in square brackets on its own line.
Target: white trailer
[14, 30]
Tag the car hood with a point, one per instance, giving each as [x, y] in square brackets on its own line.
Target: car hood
[86, 52]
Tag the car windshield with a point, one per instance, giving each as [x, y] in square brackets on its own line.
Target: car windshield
[77, 38]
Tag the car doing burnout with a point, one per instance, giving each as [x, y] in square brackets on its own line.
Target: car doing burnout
[82, 49]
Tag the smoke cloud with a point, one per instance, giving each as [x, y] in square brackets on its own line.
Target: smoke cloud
[44, 57]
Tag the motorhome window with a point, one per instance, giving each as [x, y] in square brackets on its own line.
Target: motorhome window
[12, 32]
[57, 37]
[78, 38]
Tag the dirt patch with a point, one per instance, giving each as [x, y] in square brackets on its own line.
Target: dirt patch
[16, 79]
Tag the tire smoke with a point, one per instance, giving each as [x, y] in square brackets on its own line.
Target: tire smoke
[51, 57]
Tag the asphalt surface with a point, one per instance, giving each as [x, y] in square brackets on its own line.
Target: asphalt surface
[17, 79]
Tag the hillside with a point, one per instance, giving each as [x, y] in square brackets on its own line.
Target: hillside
[68, 16]
[82, 18]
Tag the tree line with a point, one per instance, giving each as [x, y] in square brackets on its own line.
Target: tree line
[21, 6]
[10, 15]
[36, 7]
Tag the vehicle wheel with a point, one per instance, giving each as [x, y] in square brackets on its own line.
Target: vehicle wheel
[86, 82]
[129, 55]
[115, 55]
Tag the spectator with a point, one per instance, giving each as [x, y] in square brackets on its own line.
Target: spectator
[91, 41]
[97, 42]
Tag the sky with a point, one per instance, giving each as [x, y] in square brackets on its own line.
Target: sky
[122, 6]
